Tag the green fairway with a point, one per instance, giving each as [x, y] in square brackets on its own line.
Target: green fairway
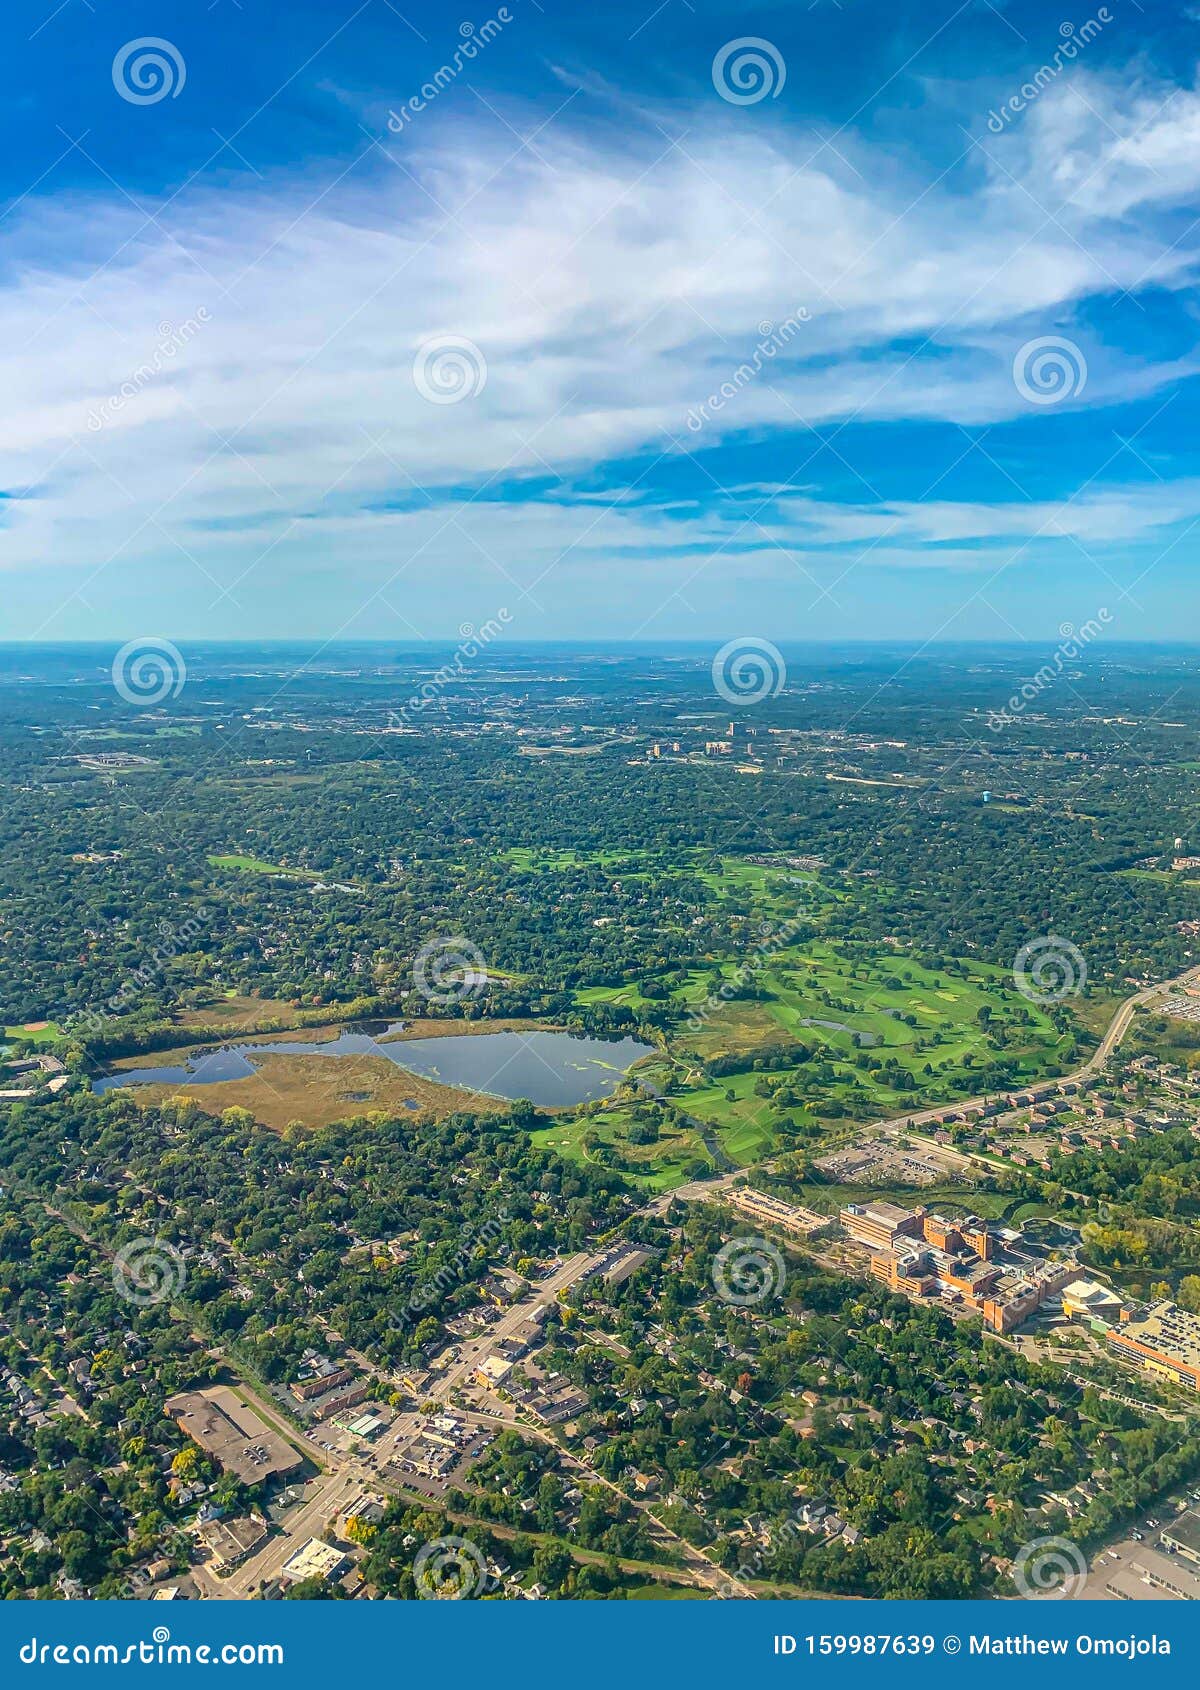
[801, 1033]
[677, 1157]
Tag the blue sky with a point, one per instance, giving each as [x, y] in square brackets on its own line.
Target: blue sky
[371, 320]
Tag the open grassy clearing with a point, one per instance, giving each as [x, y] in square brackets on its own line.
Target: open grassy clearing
[855, 1018]
[886, 1033]
[35, 1032]
[676, 1158]
[256, 865]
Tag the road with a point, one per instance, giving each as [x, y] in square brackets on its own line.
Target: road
[473, 1351]
[330, 1496]
[704, 1570]
[1117, 1029]
[347, 1476]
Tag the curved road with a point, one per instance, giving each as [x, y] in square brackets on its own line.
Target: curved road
[938, 1113]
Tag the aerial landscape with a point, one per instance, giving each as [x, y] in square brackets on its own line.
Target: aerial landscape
[599, 829]
[716, 1157]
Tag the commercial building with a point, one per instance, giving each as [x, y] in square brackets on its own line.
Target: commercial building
[313, 1560]
[348, 1398]
[224, 1427]
[789, 1217]
[229, 1543]
[326, 1380]
[493, 1372]
[880, 1226]
[1165, 1342]
[1183, 1536]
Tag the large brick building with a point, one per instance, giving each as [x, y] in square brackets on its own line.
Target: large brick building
[924, 1255]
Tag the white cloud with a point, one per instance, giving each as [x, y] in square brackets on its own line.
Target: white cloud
[609, 291]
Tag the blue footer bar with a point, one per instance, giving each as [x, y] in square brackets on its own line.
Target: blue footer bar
[606, 1645]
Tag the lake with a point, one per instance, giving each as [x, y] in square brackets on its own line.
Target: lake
[553, 1070]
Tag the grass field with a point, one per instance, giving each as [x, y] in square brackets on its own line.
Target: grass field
[884, 1031]
[854, 1016]
[678, 1157]
[35, 1032]
[256, 865]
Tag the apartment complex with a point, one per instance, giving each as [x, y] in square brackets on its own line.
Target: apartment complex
[1164, 1341]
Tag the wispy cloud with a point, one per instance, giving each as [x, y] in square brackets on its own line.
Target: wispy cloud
[608, 284]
